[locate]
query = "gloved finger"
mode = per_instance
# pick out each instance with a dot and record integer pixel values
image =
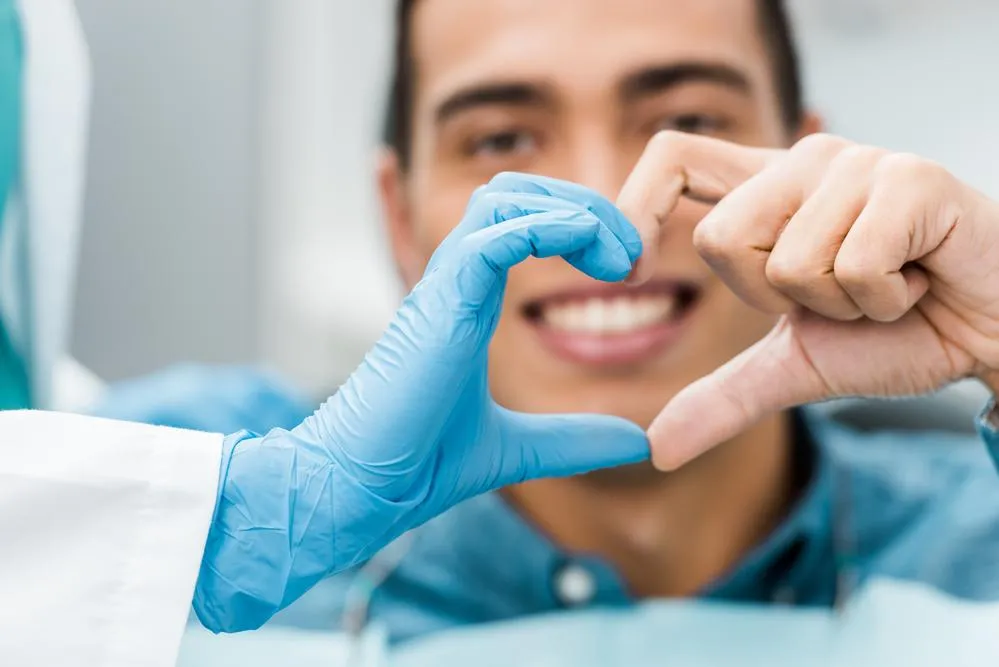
(433, 345)
(485, 256)
(585, 197)
(441, 331)
(482, 211)
(488, 208)
(535, 446)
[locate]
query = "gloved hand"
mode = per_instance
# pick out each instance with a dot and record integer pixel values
(414, 431)
(217, 399)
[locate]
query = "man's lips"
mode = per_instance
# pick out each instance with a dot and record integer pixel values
(613, 324)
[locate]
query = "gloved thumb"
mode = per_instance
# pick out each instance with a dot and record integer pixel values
(773, 375)
(536, 446)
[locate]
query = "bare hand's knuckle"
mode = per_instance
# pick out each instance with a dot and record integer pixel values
(852, 270)
(670, 147)
(784, 271)
(713, 242)
(668, 141)
(821, 144)
(856, 157)
(906, 169)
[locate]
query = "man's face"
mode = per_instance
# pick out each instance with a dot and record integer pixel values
(574, 89)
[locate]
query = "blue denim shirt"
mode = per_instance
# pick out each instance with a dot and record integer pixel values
(913, 506)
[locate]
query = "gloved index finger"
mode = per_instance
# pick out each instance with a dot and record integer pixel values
(489, 207)
(469, 224)
(587, 198)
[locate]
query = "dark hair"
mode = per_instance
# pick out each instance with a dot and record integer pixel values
(777, 35)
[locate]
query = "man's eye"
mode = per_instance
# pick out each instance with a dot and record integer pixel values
(693, 124)
(502, 144)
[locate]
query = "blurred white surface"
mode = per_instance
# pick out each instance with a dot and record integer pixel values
(231, 213)
(919, 81)
(170, 221)
(327, 287)
(279, 646)
(887, 624)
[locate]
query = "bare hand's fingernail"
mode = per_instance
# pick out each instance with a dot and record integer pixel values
(669, 461)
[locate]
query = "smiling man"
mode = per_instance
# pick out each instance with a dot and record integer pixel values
(790, 506)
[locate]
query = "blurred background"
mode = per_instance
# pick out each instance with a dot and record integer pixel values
(230, 214)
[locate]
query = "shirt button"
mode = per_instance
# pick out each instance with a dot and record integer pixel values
(574, 585)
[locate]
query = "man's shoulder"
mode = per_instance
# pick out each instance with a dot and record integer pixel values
(920, 505)
(917, 461)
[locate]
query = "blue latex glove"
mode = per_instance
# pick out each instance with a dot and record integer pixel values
(218, 399)
(414, 431)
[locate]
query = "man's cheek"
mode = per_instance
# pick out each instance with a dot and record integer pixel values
(428, 237)
(754, 326)
(434, 227)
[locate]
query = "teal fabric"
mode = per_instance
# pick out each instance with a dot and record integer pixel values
(14, 387)
(913, 506)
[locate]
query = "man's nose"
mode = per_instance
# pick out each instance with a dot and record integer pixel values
(598, 164)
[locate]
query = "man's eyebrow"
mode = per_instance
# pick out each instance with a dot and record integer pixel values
(488, 94)
(653, 80)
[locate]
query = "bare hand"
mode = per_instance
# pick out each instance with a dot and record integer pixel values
(884, 267)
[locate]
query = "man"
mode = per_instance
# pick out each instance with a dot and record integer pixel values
(791, 508)
(113, 520)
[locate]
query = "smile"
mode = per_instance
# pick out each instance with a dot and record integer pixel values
(613, 324)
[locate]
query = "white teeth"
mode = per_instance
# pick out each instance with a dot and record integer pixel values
(669, 309)
(557, 318)
(620, 314)
(610, 316)
(594, 315)
(661, 309)
(651, 309)
(573, 318)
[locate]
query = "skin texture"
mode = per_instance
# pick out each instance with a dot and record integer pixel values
(583, 122)
(884, 264)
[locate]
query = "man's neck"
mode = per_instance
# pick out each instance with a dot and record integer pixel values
(671, 535)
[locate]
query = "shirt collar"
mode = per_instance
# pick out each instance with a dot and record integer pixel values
(784, 563)
(487, 542)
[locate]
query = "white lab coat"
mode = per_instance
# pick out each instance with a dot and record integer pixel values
(102, 524)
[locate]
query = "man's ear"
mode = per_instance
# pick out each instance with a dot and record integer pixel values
(811, 123)
(398, 217)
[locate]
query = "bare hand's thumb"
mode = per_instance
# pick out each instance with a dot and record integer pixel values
(773, 375)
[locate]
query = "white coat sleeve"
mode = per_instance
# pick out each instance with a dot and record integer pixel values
(102, 529)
